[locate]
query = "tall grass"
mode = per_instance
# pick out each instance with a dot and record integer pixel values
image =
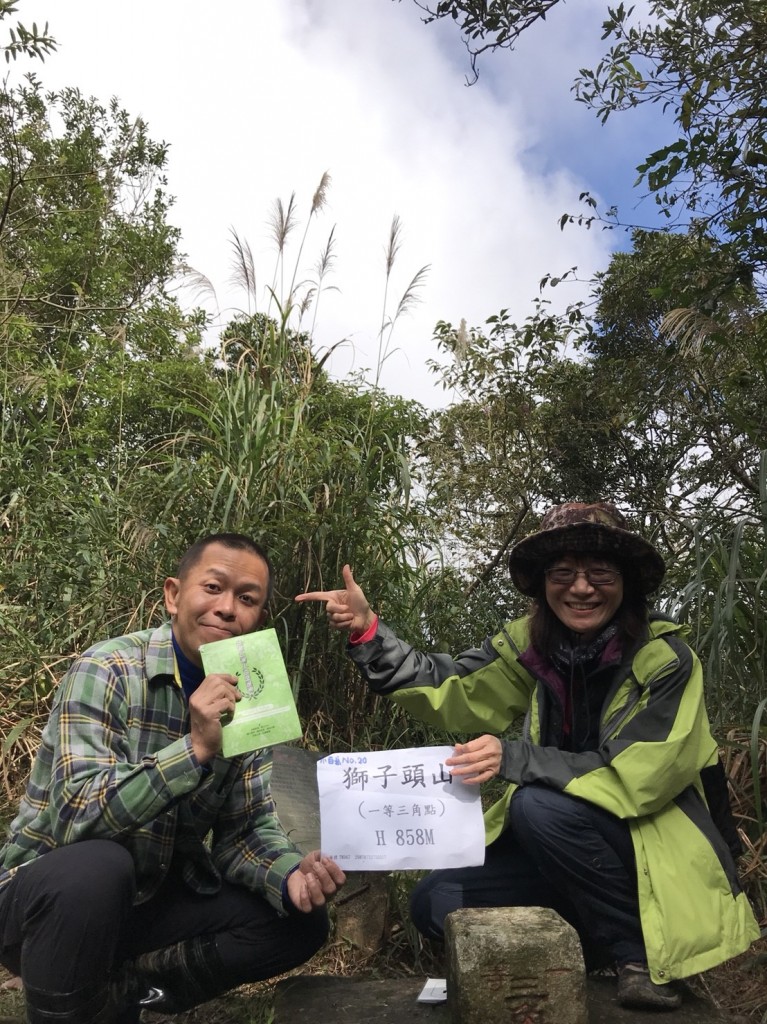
(725, 604)
(143, 457)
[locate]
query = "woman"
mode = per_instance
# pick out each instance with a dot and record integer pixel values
(606, 818)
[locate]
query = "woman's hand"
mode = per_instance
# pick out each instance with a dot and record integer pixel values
(347, 609)
(477, 761)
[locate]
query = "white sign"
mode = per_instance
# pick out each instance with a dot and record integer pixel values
(398, 810)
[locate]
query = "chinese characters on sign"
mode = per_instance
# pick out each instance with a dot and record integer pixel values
(398, 809)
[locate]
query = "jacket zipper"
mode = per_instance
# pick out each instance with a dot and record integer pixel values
(622, 714)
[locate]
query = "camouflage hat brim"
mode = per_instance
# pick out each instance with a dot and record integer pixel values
(530, 556)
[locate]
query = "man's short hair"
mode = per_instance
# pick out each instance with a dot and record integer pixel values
(236, 541)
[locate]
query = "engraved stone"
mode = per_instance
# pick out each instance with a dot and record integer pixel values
(514, 965)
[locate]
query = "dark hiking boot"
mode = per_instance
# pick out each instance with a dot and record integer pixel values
(637, 990)
(175, 978)
(91, 1005)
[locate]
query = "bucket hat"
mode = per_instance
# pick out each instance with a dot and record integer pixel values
(584, 529)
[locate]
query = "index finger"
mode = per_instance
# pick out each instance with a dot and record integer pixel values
(227, 677)
(316, 595)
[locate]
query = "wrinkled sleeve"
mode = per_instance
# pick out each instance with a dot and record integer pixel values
(648, 760)
(475, 692)
(250, 846)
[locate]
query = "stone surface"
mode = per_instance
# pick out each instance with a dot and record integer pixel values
(294, 788)
(521, 965)
(321, 1000)
(354, 1001)
(325, 1000)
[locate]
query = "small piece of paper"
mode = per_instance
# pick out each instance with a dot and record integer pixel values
(398, 810)
(434, 991)
(267, 712)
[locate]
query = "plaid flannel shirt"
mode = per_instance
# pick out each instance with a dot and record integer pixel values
(116, 762)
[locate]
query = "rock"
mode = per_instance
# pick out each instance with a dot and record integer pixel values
(362, 910)
(521, 965)
(294, 789)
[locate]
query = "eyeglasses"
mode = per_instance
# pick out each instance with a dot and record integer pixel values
(562, 576)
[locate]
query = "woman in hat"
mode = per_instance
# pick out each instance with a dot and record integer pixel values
(613, 778)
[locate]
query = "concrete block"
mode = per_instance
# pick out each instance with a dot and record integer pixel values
(514, 965)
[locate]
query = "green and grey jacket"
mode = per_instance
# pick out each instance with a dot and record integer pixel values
(654, 742)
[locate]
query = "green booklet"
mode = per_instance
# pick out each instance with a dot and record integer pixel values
(267, 712)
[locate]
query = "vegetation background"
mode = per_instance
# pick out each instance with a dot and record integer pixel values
(125, 434)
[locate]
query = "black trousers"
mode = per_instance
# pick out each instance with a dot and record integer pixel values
(556, 852)
(67, 920)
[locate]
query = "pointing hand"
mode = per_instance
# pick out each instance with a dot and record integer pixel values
(346, 609)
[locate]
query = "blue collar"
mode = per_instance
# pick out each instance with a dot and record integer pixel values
(191, 675)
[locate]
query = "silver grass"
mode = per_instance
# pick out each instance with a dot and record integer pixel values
(409, 296)
(282, 221)
(394, 243)
(320, 196)
(243, 265)
(200, 285)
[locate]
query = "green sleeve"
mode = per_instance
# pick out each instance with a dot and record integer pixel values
(478, 691)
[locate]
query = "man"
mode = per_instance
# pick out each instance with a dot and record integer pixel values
(143, 868)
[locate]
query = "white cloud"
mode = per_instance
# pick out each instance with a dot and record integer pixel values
(258, 99)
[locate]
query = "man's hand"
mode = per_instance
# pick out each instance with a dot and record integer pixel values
(346, 609)
(213, 700)
(476, 761)
(315, 879)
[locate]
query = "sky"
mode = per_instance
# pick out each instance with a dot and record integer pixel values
(259, 99)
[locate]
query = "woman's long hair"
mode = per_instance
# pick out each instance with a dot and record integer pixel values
(548, 633)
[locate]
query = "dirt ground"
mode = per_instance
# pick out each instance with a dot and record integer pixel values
(739, 987)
